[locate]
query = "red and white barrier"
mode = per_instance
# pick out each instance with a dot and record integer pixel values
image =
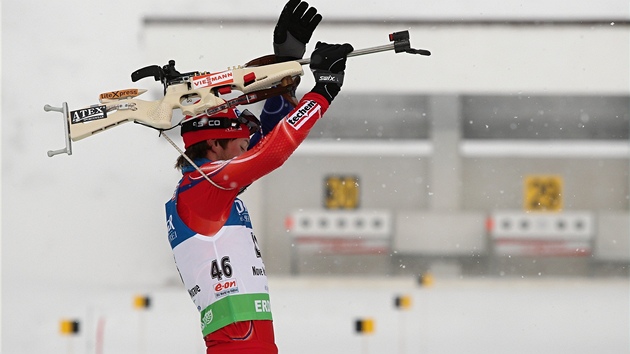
(341, 232)
(520, 233)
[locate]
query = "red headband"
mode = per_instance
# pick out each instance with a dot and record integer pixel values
(222, 125)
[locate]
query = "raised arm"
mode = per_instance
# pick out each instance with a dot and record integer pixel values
(328, 65)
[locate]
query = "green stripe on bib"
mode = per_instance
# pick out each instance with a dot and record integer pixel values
(235, 308)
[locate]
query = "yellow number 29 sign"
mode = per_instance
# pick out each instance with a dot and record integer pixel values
(341, 192)
(543, 193)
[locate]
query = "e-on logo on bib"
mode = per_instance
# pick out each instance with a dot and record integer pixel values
(303, 114)
(225, 288)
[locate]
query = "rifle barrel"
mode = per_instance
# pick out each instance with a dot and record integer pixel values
(358, 52)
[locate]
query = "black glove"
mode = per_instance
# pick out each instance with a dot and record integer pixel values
(294, 29)
(328, 63)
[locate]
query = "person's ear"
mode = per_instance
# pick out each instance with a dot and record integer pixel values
(212, 143)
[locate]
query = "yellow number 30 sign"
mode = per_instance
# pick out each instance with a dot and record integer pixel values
(543, 193)
(342, 192)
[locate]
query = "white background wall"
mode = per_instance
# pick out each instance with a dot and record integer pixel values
(465, 59)
(107, 197)
(96, 217)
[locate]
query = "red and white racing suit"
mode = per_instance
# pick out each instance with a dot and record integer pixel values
(213, 243)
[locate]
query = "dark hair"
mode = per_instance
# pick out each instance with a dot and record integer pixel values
(197, 151)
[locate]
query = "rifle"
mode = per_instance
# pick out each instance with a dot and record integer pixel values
(195, 93)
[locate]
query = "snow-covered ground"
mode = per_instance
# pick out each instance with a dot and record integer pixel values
(317, 315)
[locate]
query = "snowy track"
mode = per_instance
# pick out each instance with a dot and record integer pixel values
(317, 315)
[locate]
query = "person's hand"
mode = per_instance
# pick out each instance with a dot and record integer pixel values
(328, 63)
(294, 29)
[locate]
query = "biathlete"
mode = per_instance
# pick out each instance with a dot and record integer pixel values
(209, 229)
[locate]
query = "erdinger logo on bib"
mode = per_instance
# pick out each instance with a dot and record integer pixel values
(207, 319)
(303, 114)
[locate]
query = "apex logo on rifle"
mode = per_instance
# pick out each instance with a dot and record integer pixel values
(88, 114)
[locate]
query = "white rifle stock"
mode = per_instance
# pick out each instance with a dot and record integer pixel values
(158, 114)
(118, 107)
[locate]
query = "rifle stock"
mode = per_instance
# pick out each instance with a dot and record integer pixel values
(158, 114)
